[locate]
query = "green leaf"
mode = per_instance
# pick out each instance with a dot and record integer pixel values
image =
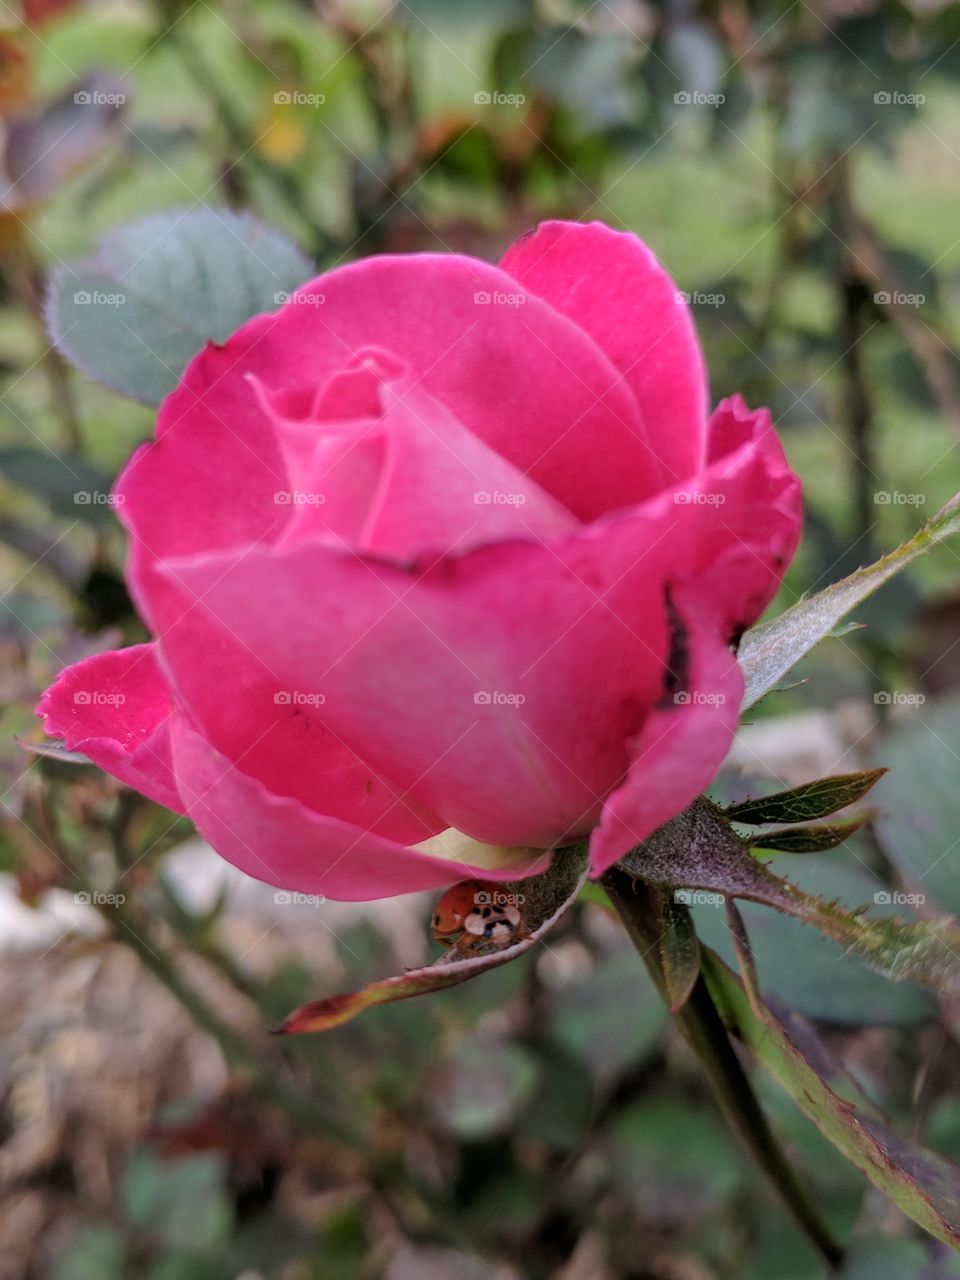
(769, 651)
(893, 1258)
(812, 800)
(184, 1199)
(586, 1016)
(42, 150)
(813, 974)
(69, 484)
(671, 1158)
(679, 952)
(158, 289)
(700, 850)
(808, 839)
(546, 898)
(922, 1183)
(919, 823)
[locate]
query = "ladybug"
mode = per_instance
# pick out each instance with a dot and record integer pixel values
(475, 915)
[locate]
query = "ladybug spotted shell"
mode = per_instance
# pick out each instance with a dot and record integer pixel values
(477, 910)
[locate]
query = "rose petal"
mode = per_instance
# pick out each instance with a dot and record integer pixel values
(498, 689)
(683, 744)
(413, 480)
(114, 708)
(284, 843)
(610, 284)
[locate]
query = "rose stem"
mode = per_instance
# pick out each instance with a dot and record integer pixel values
(638, 906)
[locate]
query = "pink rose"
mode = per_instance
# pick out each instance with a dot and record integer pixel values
(440, 544)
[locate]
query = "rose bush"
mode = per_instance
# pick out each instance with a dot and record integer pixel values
(440, 544)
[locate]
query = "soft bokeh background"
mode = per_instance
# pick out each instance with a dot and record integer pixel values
(797, 167)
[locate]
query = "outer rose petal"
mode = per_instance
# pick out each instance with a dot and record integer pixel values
(720, 591)
(276, 731)
(498, 689)
(129, 738)
(746, 498)
(610, 284)
(284, 843)
(682, 745)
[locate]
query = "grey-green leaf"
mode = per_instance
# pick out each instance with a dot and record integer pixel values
(679, 952)
(924, 1185)
(919, 823)
(769, 651)
(808, 839)
(802, 804)
(158, 289)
